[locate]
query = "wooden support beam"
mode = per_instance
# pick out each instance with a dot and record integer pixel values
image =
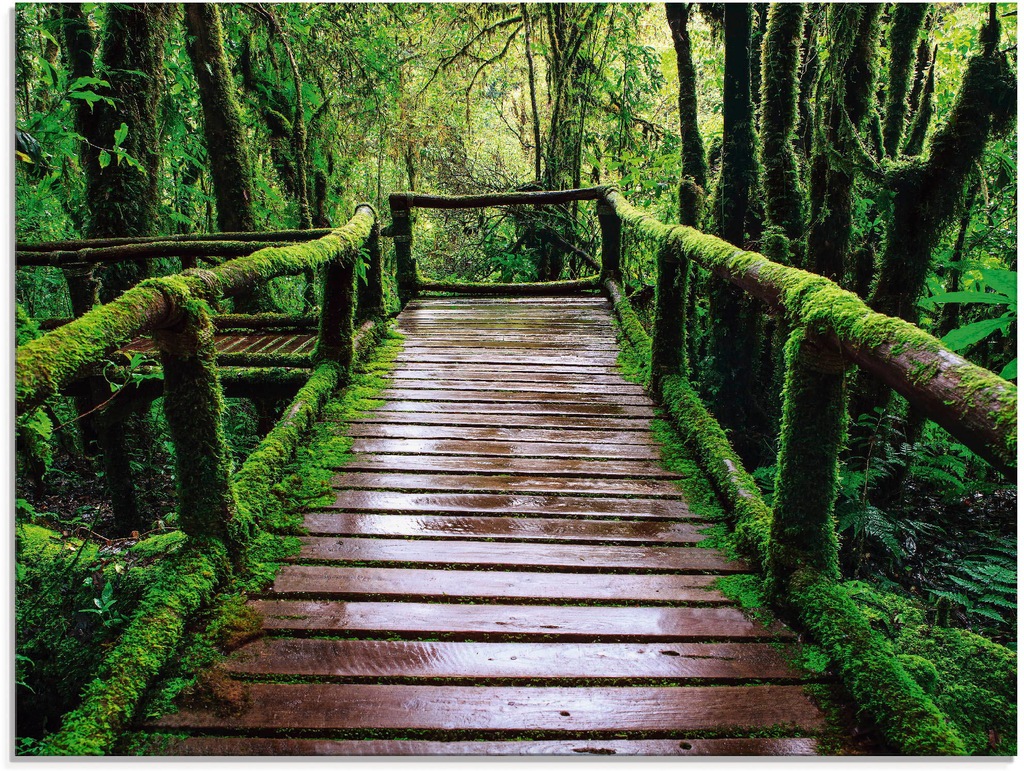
(145, 251)
(370, 288)
(275, 236)
(553, 288)
(421, 201)
(405, 263)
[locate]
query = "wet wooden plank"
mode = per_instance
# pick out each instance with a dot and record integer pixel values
(517, 556)
(510, 395)
(500, 528)
(515, 505)
(498, 385)
(505, 450)
(511, 302)
(344, 582)
(561, 623)
(531, 407)
(506, 483)
(507, 709)
(508, 377)
(549, 467)
(389, 429)
(503, 358)
(511, 343)
(511, 370)
(729, 662)
(234, 746)
(578, 423)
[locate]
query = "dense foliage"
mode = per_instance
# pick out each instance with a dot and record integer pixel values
(873, 144)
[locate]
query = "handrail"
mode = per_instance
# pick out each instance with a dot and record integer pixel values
(972, 403)
(401, 205)
(99, 243)
(48, 363)
(145, 251)
(425, 201)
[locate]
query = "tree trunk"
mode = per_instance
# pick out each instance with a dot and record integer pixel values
(222, 120)
(695, 165)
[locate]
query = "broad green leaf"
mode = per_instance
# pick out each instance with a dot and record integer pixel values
(1009, 372)
(87, 81)
(104, 159)
(970, 297)
(1004, 281)
(969, 334)
(120, 134)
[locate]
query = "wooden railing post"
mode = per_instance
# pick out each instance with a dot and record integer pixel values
(370, 293)
(334, 340)
(193, 404)
(803, 533)
(611, 241)
(668, 342)
(82, 287)
(405, 264)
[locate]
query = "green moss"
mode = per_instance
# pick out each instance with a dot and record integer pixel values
(180, 585)
(971, 680)
(820, 305)
(45, 365)
(803, 532)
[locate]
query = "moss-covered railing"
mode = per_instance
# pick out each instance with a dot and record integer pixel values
(410, 283)
(218, 511)
(794, 543)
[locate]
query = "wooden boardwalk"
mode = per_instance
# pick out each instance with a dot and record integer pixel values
(506, 569)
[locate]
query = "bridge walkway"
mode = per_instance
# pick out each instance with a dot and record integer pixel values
(507, 569)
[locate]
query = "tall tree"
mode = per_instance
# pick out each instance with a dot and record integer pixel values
(845, 95)
(226, 145)
(694, 181)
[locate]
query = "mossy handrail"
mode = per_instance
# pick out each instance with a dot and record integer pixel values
(795, 542)
(410, 283)
(46, 364)
(218, 511)
(975, 405)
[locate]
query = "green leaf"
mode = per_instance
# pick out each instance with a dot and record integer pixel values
(87, 81)
(969, 334)
(969, 297)
(1009, 372)
(104, 159)
(120, 134)
(1004, 281)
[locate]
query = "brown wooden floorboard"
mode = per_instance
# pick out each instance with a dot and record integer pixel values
(254, 746)
(505, 559)
(548, 467)
(449, 585)
(493, 621)
(509, 556)
(501, 528)
(722, 662)
(497, 452)
(506, 709)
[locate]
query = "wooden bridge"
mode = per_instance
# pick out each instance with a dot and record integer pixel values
(507, 568)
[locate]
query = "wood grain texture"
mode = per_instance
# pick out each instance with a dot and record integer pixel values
(504, 559)
(234, 746)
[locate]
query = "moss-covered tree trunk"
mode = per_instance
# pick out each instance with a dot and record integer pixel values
(736, 323)
(694, 180)
(904, 30)
(929, 191)
(569, 28)
(783, 197)
(226, 146)
(845, 94)
(928, 195)
(122, 198)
